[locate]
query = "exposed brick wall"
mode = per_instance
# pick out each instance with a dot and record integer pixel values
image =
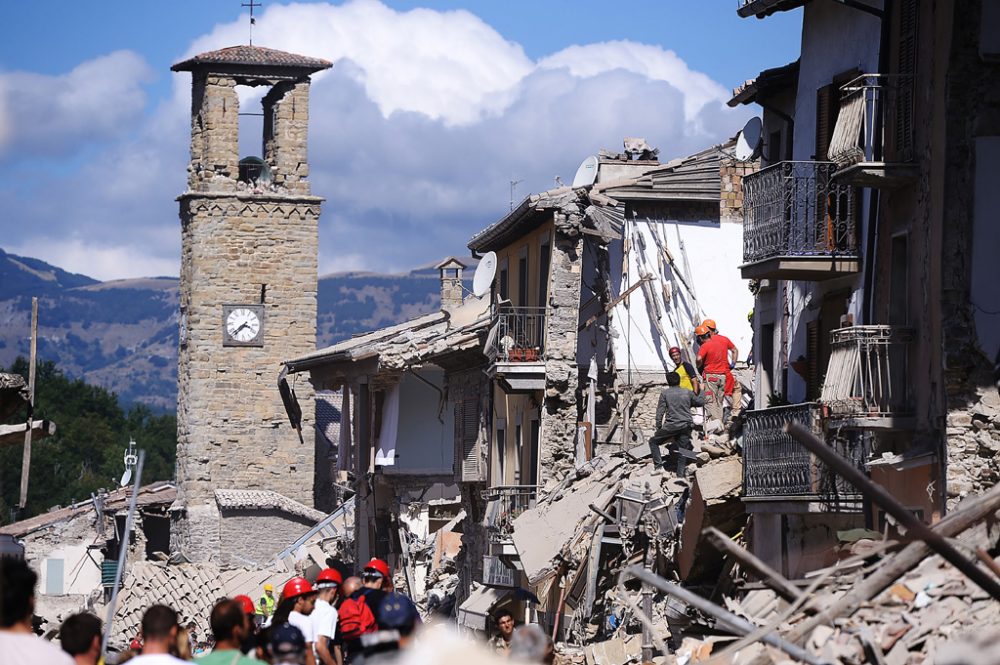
(731, 174)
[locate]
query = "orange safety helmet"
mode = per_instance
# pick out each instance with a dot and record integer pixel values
(709, 323)
(701, 331)
(246, 604)
(328, 577)
(297, 586)
(379, 566)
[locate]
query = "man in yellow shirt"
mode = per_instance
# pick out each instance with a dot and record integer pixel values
(689, 378)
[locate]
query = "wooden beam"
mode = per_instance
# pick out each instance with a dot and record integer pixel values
(614, 303)
(11, 435)
(26, 456)
(764, 572)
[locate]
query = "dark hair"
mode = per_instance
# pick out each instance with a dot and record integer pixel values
(673, 379)
(157, 622)
(283, 609)
(17, 588)
(78, 632)
(501, 613)
(226, 617)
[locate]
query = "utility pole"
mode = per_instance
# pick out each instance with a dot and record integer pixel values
(26, 457)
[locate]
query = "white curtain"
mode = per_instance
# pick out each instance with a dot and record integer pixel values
(385, 454)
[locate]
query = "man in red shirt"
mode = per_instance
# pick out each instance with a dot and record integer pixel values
(716, 357)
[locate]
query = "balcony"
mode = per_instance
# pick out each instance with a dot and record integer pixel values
(517, 348)
(872, 142)
(504, 503)
(778, 468)
(798, 223)
(867, 381)
(497, 573)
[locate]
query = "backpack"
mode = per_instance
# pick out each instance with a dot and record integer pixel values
(355, 618)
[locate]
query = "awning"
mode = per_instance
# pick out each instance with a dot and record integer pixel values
(474, 613)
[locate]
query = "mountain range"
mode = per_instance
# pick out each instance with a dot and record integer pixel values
(122, 334)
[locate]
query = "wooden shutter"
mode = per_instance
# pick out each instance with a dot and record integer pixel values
(826, 117)
(906, 68)
(467, 439)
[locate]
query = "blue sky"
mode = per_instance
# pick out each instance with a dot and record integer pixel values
(415, 132)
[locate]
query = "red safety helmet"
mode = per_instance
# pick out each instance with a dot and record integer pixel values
(297, 586)
(709, 323)
(674, 348)
(379, 566)
(327, 578)
(246, 604)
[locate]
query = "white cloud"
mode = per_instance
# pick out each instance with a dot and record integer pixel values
(55, 115)
(415, 134)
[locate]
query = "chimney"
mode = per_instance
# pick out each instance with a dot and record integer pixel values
(731, 174)
(451, 283)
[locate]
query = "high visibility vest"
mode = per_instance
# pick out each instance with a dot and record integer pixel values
(266, 605)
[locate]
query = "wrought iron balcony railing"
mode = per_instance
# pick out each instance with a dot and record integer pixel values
(874, 108)
(867, 380)
(520, 334)
(504, 503)
(776, 466)
(796, 209)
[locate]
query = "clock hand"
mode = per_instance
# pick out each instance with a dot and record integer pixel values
(242, 326)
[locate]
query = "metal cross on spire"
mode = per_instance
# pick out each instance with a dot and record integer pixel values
(253, 21)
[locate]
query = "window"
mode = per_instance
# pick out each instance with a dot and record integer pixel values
(518, 442)
(533, 461)
(774, 147)
(500, 453)
(504, 281)
(54, 577)
(522, 278)
(898, 278)
(544, 258)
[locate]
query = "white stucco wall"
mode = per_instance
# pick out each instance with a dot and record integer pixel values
(80, 574)
(424, 444)
(713, 251)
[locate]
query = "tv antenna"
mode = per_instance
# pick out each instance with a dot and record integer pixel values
(485, 272)
(748, 141)
(253, 21)
(130, 461)
(513, 184)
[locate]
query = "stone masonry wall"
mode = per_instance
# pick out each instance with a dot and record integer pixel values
(232, 428)
(286, 114)
(215, 133)
(560, 410)
(731, 173)
(254, 537)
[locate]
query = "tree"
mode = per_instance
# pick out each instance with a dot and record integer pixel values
(92, 433)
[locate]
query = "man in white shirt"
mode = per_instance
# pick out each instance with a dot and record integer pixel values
(159, 637)
(18, 643)
(324, 616)
(302, 596)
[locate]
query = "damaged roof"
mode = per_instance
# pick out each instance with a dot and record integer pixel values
(245, 56)
(421, 339)
(531, 213)
(158, 493)
(766, 83)
(265, 500)
(764, 8)
(692, 178)
(13, 393)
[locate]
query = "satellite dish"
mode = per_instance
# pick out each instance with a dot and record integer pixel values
(485, 272)
(587, 173)
(748, 140)
(127, 476)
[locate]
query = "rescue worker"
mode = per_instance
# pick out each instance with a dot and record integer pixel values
(324, 615)
(717, 356)
(297, 601)
(250, 639)
(673, 420)
(689, 378)
(267, 602)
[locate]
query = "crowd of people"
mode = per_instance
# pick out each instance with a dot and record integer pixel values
(360, 620)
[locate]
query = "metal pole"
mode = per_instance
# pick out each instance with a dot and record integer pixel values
(122, 552)
(888, 503)
(726, 619)
(26, 455)
(647, 633)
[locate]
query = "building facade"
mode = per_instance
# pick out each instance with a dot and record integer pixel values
(861, 246)
(247, 294)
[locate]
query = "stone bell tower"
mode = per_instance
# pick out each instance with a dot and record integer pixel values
(247, 302)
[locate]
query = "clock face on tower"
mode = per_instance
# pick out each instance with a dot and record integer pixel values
(243, 325)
